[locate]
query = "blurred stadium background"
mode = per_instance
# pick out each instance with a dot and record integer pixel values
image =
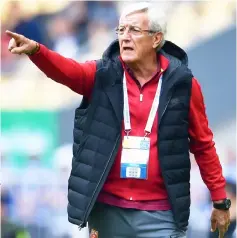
(37, 113)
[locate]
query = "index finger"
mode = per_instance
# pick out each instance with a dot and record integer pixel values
(13, 35)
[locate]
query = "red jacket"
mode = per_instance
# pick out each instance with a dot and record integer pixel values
(80, 78)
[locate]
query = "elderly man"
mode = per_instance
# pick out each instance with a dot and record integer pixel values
(142, 112)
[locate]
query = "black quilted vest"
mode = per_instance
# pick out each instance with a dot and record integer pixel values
(97, 134)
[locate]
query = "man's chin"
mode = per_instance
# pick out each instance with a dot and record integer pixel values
(128, 59)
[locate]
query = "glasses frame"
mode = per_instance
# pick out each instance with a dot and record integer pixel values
(140, 31)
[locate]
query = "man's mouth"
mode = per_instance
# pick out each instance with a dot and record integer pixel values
(127, 48)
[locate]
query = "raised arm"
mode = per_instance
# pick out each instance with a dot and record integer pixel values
(77, 76)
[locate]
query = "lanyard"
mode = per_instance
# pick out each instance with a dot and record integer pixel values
(154, 108)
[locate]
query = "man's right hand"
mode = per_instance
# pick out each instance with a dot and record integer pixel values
(19, 44)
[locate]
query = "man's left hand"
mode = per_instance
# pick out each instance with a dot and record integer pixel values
(220, 219)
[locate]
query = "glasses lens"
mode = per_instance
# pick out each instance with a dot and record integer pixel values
(120, 30)
(135, 30)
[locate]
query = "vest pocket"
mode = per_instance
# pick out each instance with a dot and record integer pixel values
(80, 146)
(75, 161)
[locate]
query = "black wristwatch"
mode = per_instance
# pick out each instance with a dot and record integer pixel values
(225, 205)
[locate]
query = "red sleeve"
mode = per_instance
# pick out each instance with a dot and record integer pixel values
(203, 146)
(77, 76)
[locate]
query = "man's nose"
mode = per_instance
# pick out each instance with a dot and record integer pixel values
(126, 35)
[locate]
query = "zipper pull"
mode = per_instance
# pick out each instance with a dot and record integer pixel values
(141, 97)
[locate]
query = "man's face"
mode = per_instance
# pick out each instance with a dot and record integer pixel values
(135, 45)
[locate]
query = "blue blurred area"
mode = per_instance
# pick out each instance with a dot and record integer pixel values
(213, 62)
(37, 114)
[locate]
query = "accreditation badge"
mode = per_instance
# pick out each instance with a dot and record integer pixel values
(135, 157)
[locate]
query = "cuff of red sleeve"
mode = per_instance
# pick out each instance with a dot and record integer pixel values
(41, 49)
(218, 194)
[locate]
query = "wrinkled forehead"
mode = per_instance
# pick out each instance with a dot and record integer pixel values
(135, 19)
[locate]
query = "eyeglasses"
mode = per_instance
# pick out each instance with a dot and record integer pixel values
(133, 30)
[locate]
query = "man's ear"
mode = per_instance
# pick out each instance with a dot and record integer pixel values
(157, 38)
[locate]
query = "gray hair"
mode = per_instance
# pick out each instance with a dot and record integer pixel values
(156, 17)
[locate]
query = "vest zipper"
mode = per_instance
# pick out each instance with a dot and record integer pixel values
(162, 114)
(141, 97)
(98, 187)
